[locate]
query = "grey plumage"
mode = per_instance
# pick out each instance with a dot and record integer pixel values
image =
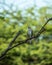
(30, 34)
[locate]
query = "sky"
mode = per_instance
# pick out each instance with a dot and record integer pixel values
(23, 4)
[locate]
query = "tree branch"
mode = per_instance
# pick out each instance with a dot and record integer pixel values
(10, 44)
(23, 41)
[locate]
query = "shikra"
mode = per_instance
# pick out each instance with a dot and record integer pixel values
(29, 34)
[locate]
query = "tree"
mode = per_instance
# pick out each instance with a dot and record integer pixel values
(14, 25)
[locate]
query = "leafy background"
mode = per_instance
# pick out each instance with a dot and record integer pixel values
(40, 51)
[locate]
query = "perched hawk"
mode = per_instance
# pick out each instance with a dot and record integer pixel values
(30, 34)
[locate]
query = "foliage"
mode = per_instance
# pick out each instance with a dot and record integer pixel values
(40, 51)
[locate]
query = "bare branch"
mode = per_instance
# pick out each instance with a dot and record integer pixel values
(4, 53)
(17, 35)
(23, 41)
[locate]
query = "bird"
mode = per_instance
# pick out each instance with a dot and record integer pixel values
(30, 34)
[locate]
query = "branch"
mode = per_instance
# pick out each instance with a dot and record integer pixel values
(23, 41)
(4, 53)
(42, 29)
(17, 35)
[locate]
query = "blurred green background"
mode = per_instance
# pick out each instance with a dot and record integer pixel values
(13, 19)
